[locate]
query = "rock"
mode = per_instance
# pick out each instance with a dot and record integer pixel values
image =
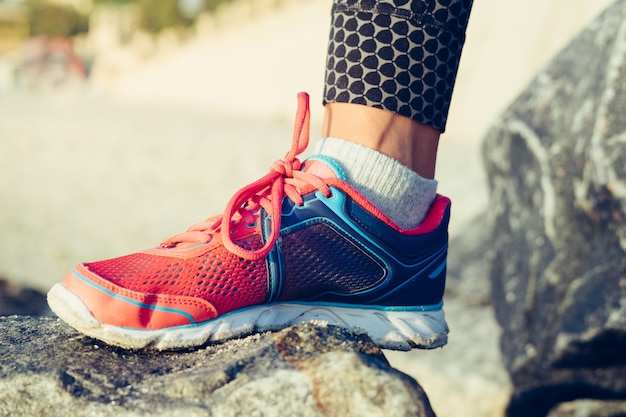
(556, 164)
(467, 276)
(48, 369)
(590, 408)
(16, 299)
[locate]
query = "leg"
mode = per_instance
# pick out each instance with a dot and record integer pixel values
(412, 143)
(390, 73)
(401, 56)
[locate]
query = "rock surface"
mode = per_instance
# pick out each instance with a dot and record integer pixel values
(556, 163)
(48, 369)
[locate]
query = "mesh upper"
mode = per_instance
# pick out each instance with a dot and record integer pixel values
(225, 280)
(319, 259)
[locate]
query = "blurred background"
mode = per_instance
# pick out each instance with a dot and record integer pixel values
(123, 122)
(49, 43)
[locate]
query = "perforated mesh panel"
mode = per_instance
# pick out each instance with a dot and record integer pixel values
(318, 259)
(225, 280)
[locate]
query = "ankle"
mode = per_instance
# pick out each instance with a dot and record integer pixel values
(403, 195)
(411, 143)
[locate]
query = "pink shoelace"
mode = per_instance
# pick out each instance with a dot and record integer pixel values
(284, 179)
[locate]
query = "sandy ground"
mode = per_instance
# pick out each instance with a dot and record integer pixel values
(132, 159)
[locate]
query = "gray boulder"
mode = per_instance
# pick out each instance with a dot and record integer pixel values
(467, 276)
(48, 369)
(556, 165)
(590, 408)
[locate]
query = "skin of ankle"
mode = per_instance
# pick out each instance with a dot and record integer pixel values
(411, 143)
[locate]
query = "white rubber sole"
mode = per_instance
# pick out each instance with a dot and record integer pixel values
(389, 329)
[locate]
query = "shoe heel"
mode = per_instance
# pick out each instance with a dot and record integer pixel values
(425, 291)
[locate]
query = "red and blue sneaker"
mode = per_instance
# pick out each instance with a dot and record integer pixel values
(298, 245)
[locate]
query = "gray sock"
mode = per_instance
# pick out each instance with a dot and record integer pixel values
(399, 192)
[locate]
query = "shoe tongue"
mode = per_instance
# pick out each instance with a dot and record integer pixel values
(324, 167)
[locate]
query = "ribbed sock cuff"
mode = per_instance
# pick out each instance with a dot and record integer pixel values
(399, 192)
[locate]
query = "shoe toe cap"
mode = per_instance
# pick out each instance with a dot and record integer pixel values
(114, 305)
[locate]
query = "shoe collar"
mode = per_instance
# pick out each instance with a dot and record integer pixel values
(324, 167)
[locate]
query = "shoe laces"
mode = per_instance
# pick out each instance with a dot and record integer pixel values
(285, 179)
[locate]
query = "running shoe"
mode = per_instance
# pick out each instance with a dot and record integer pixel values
(298, 245)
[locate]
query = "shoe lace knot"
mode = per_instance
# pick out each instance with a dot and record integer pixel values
(285, 179)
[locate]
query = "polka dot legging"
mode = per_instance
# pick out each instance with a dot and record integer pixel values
(398, 55)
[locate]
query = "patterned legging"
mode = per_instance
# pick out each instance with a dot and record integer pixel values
(398, 55)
